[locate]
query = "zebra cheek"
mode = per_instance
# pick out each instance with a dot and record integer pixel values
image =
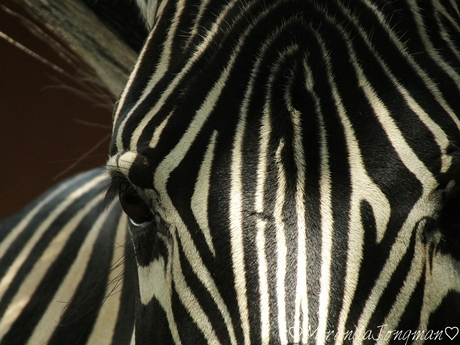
(153, 282)
(148, 247)
(151, 251)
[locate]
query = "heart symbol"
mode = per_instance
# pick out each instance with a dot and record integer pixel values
(453, 332)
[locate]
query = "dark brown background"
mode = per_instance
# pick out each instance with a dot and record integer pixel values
(41, 134)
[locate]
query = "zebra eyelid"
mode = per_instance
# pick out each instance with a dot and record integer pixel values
(138, 225)
(118, 182)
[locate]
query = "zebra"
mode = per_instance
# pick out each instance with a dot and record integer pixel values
(64, 280)
(288, 172)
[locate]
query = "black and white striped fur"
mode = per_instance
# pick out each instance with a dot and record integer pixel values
(300, 162)
(290, 170)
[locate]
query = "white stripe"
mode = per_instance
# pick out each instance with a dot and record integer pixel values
(157, 134)
(281, 249)
(260, 237)
(133, 337)
(200, 197)
(263, 283)
(301, 301)
(237, 228)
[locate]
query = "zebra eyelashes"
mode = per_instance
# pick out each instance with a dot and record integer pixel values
(134, 206)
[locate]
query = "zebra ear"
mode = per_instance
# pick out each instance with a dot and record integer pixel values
(148, 10)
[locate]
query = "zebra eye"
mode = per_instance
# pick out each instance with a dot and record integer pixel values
(134, 206)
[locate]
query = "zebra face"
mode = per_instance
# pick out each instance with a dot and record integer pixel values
(290, 171)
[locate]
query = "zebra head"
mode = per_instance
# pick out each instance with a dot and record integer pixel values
(290, 170)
